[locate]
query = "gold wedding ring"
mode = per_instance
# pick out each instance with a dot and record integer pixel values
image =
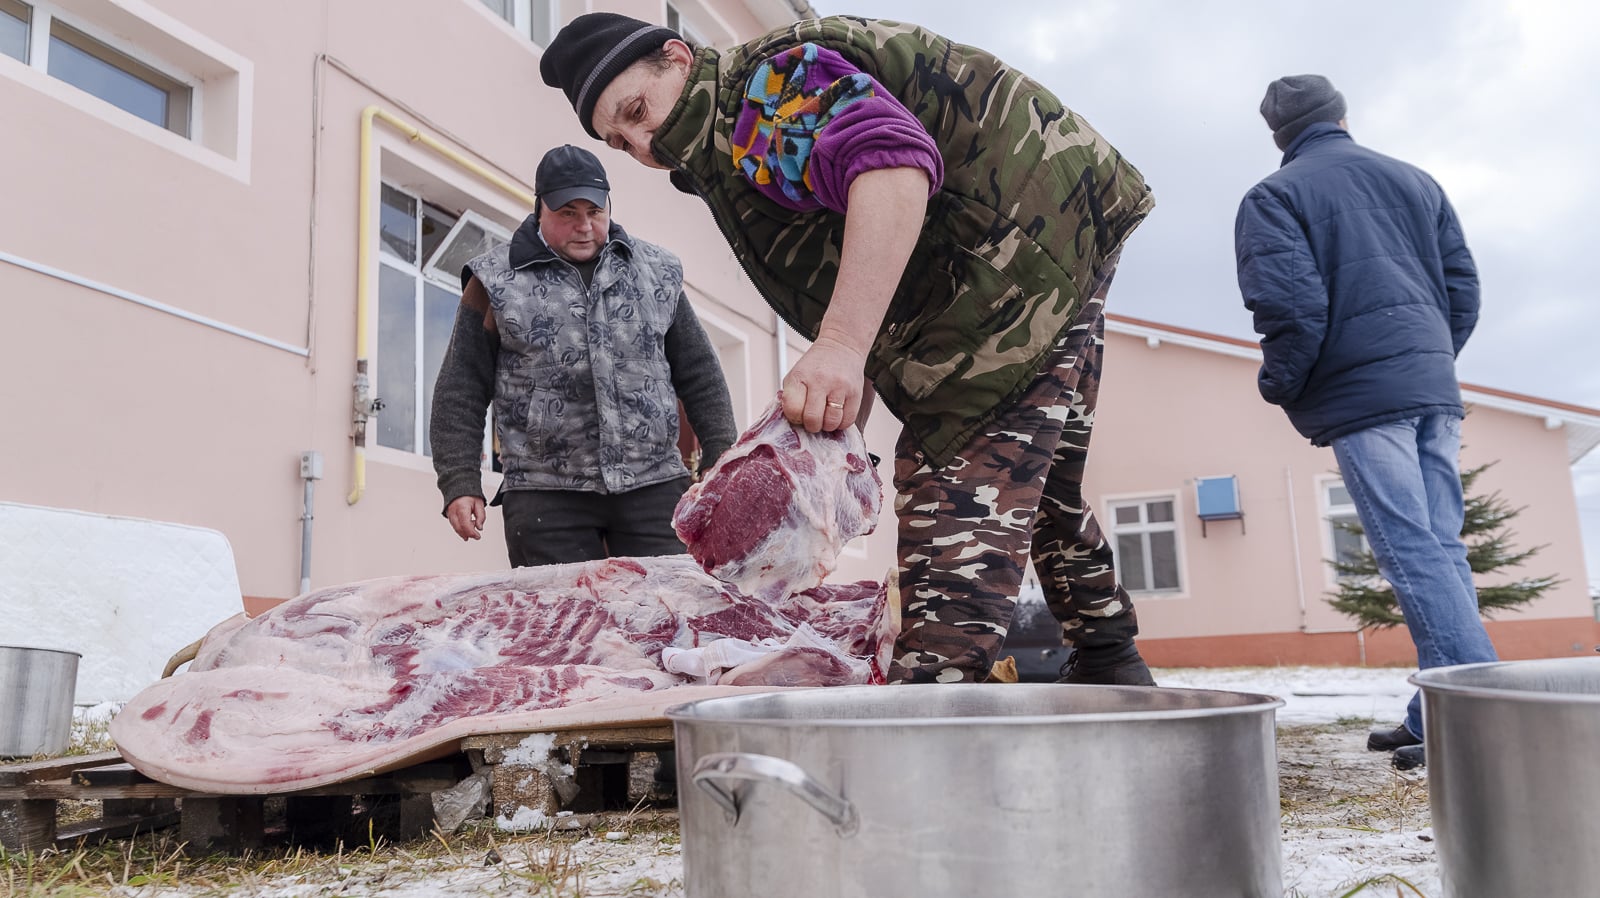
(837, 405)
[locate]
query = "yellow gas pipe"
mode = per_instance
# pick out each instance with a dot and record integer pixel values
(364, 263)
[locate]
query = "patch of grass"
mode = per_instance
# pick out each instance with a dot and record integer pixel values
(1401, 885)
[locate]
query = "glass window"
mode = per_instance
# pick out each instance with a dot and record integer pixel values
(1145, 537)
(416, 313)
(117, 78)
(502, 8)
(677, 22)
(471, 237)
(436, 225)
(397, 358)
(1347, 546)
(542, 21)
(14, 19)
(397, 224)
(438, 320)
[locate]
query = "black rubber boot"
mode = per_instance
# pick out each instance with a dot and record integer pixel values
(1389, 740)
(1107, 665)
(1410, 757)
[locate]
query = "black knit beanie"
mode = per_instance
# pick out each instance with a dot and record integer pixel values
(1295, 102)
(593, 49)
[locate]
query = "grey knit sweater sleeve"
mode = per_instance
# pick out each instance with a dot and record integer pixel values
(461, 397)
(697, 378)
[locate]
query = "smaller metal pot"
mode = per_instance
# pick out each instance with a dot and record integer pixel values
(37, 687)
(1512, 776)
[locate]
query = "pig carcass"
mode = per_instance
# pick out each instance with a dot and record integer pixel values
(376, 675)
(772, 514)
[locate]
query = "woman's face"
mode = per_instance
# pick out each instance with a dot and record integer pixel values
(635, 103)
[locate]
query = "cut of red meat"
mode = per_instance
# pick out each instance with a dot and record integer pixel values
(367, 677)
(771, 516)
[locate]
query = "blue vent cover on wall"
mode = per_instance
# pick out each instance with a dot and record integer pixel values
(1217, 499)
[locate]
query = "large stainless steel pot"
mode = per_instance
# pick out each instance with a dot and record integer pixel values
(1512, 776)
(37, 687)
(963, 790)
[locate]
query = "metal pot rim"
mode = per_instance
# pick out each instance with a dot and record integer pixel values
(1253, 703)
(1438, 679)
(35, 648)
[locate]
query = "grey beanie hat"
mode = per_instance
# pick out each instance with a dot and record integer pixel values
(1294, 102)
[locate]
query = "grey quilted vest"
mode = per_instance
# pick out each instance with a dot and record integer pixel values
(583, 396)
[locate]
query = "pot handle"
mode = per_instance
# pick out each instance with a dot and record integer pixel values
(734, 765)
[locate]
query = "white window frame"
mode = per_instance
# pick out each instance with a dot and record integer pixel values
(430, 265)
(220, 82)
(1326, 510)
(523, 14)
(422, 175)
(1112, 530)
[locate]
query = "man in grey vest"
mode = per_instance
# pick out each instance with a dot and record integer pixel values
(582, 339)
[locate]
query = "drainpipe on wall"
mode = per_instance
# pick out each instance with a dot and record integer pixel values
(367, 405)
(310, 472)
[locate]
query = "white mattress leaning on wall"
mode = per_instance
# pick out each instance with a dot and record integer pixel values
(124, 593)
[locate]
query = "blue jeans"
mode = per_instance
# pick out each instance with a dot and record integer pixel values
(1404, 480)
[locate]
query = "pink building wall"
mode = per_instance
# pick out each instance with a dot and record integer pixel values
(1172, 412)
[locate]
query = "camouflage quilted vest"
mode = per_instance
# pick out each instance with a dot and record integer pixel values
(583, 396)
(1033, 202)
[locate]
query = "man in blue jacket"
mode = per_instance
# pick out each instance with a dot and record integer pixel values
(1363, 292)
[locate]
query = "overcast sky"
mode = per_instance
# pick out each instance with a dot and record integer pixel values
(1497, 99)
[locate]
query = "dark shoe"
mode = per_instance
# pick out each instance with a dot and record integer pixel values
(1106, 665)
(1389, 740)
(1409, 757)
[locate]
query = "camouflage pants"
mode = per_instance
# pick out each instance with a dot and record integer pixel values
(966, 529)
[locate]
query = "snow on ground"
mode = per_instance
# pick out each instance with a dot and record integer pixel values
(1348, 818)
(1310, 694)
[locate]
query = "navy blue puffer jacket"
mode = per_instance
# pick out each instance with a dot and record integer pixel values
(1361, 285)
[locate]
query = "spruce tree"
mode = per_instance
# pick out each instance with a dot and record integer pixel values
(1363, 594)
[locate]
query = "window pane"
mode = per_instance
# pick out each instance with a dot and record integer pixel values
(14, 18)
(397, 224)
(106, 81)
(436, 225)
(1164, 560)
(438, 319)
(501, 8)
(1346, 545)
(541, 19)
(1338, 495)
(397, 359)
(471, 241)
(1160, 512)
(1130, 561)
(1126, 514)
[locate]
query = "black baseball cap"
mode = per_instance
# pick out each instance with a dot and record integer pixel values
(568, 173)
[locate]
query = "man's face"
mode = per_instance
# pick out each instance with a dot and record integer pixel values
(575, 231)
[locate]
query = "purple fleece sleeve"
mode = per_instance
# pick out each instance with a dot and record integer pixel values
(813, 122)
(877, 132)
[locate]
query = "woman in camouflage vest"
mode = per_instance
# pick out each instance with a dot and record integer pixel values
(981, 328)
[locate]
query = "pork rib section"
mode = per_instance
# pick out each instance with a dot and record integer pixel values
(358, 679)
(772, 514)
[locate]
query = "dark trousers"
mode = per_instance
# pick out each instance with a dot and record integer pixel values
(561, 526)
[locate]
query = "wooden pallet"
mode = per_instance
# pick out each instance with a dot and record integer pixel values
(396, 805)
(612, 768)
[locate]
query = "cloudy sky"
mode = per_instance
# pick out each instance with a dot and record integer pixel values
(1496, 98)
